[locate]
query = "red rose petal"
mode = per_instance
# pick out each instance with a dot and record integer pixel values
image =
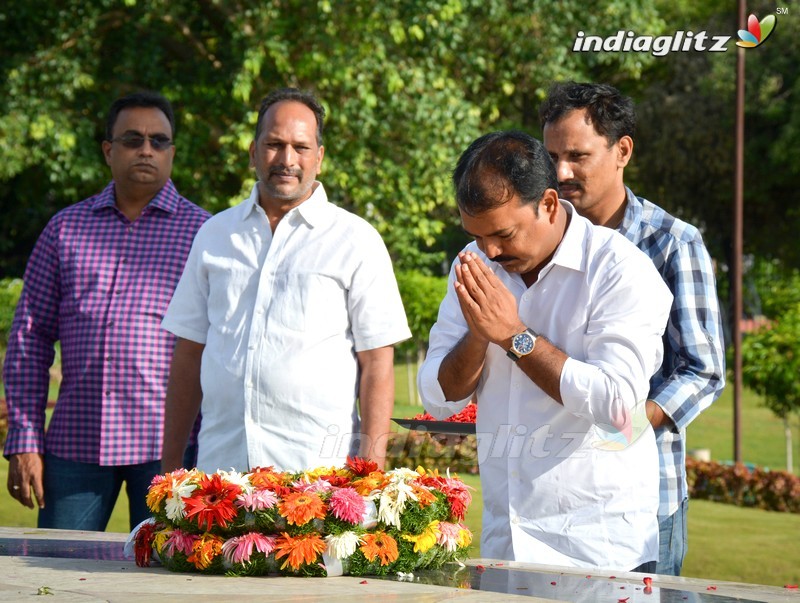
(363, 582)
(625, 600)
(648, 581)
(552, 584)
(612, 577)
(791, 586)
(711, 588)
(480, 568)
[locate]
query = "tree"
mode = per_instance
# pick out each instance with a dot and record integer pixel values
(407, 86)
(771, 365)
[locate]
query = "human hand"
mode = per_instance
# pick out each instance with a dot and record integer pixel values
(26, 473)
(489, 308)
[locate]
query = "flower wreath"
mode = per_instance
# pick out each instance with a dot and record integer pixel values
(353, 520)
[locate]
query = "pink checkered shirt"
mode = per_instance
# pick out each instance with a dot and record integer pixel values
(100, 285)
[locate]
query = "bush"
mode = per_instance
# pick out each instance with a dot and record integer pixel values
(441, 451)
(738, 485)
(421, 295)
(10, 290)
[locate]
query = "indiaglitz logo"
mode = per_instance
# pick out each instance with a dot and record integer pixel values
(680, 41)
(625, 431)
(757, 31)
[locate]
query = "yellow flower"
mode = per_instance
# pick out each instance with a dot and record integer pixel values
(160, 538)
(464, 537)
(314, 474)
(426, 540)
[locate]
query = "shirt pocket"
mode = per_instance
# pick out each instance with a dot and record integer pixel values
(309, 302)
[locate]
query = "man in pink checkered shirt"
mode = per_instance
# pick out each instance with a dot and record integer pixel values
(99, 281)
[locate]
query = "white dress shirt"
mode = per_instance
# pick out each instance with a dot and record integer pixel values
(282, 315)
(577, 484)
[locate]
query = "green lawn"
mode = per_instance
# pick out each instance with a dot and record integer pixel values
(725, 542)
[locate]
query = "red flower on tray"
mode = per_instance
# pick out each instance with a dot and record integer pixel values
(468, 415)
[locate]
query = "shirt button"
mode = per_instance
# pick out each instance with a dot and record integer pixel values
(108, 358)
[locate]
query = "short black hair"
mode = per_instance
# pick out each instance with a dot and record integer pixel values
(292, 94)
(497, 166)
(611, 113)
(139, 99)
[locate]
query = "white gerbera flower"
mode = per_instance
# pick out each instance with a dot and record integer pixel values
(174, 505)
(342, 545)
(239, 479)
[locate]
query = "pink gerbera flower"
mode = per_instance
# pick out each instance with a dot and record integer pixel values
(257, 500)
(348, 505)
(319, 485)
(448, 535)
(239, 549)
(178, 540)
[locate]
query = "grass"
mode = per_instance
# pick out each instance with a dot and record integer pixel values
(725, 542)
(742, 545)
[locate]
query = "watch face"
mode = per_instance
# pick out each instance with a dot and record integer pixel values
(523, 343)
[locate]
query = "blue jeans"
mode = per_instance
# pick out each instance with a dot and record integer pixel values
(672, 541)
(81, 496)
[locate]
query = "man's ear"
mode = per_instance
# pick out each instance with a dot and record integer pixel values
(624, 151)
(252, 154)
(106, 146)
(549, 204)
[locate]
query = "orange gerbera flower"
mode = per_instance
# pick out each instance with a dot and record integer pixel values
(298, 508)
(160, 488)
(379, 545)
(266, 478)
(298, 549)
(204, 550)
(373, 481)
(424, 496)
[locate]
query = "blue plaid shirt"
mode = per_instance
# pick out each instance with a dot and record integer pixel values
(693, 373)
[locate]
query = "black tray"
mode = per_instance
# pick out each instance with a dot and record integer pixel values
(437, 426)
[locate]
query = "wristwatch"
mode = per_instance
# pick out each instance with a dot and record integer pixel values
(522, 344)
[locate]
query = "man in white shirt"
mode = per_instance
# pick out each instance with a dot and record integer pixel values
(555, 324)
(286, 313)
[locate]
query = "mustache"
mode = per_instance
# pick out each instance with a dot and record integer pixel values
(503, 258)
(570, 183)
(283, 171)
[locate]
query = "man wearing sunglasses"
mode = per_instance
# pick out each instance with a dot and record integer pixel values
(99, 281)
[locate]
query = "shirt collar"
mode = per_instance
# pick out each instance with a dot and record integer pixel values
(166, 199)
(569, 252)
(633, 215)
(315, 210)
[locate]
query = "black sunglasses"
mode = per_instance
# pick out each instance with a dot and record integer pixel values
(159, 142)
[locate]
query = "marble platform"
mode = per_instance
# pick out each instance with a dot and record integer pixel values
(65, 565)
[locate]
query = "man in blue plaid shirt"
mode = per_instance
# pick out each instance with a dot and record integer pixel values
(588, 130)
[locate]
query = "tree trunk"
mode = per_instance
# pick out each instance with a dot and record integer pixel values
(787, 430)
